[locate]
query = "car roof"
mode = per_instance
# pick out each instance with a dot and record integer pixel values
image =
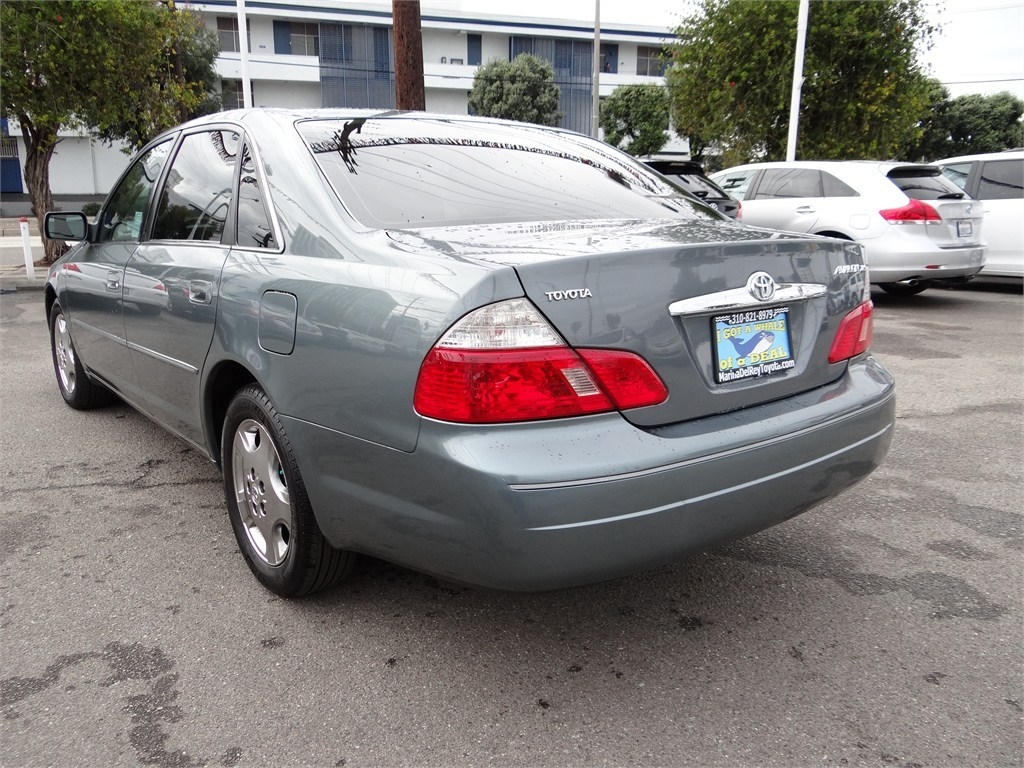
(1008, 154)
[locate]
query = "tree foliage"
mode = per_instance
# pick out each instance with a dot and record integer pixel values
(985, 123)
(124, 69)
(863, 90)
(638, 115)
(966, 125)
(522, 89)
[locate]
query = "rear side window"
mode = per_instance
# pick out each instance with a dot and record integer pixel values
(1002, 180)
(833, 187)
(787, 183)
(924, 183)
(196, 197)
(253, 229)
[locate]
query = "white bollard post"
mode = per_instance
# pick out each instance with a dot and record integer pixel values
(26, 244)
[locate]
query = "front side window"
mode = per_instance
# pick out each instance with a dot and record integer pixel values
(788, 183)
(195, 200)
(124, 212)
(1002, 180)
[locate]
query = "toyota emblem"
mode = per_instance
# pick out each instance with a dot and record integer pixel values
(761, 286)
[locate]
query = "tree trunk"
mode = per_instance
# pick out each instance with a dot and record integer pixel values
(39, 146)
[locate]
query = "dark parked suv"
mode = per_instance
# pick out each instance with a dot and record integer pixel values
(690, 176)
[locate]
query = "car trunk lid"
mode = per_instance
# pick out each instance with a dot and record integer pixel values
(727, 316)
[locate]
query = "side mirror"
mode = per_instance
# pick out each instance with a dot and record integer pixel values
(71, 227)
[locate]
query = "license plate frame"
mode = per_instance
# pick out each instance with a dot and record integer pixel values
(752, 344)
(964, 228)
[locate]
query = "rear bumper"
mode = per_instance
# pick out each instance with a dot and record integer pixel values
(555, 504)
(891, 260)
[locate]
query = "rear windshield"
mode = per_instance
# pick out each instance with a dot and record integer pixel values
(925, 183)
(400, 173)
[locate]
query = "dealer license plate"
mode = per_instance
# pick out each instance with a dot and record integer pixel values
(751, 344)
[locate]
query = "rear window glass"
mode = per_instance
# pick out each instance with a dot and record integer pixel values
(924, 184)
(699, 186)
(1002, 180)
(401, 173)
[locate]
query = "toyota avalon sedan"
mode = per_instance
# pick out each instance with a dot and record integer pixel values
(502, 354)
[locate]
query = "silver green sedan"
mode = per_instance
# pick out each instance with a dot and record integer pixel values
(499, 353)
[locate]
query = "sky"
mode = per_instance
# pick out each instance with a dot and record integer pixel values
(979, 50)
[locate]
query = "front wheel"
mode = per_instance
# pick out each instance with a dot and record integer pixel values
(904, 289)
(267, 502)
(77, 389)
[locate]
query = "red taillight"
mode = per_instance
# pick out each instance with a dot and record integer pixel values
(914, 212)
(854, 334)
(491, 367)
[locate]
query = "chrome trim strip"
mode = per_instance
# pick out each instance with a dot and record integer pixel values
(740, 298)
(163, 358)
(714, 494)
(99, 331)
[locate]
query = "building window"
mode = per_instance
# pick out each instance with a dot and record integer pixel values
(305, 39)
(232, 94)
(610, 58)
(474, 49)
(227, 32)
(649, 61)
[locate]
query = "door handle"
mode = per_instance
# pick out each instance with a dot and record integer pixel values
(200, 291)
(113, 281)
(805, 209)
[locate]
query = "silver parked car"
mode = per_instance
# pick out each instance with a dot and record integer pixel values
(503, 354)
(918, 229)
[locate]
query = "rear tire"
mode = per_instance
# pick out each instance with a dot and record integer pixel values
(902, 289)
(267, 502)
(77, 389)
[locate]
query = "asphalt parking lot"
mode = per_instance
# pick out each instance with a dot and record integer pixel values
(881, 629)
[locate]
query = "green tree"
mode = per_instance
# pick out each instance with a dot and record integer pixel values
(637, 114)
(863, 92)
(522, 89)
(932, 139)
(125, 69)
(985, 123)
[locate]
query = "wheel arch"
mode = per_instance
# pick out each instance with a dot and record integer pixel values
(833, 233)
(226, 378)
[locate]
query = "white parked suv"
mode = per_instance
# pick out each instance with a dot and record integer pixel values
(997, 180)
(917, 228)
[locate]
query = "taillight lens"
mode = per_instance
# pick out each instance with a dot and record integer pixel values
(854, 334)
(505, 363)
(914, 212)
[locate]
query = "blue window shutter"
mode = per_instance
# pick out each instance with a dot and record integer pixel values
(474, 50)
(282, 37)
